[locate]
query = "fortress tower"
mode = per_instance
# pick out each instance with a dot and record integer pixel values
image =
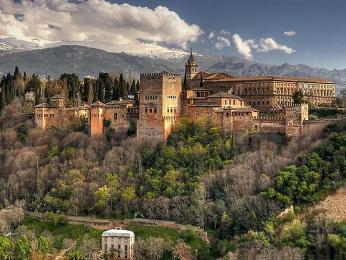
(160, 105)
(96, 119)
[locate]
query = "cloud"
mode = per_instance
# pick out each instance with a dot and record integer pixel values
(95, 21)
(211, 35)
(245, 47)
(290, 33)
(220, 39)
(222, 42)
(269, 44)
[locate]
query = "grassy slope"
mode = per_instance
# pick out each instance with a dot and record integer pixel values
(79, 232)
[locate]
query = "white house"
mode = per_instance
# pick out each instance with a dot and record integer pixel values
(119, 242)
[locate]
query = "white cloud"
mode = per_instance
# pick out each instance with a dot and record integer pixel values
(94, 21)
(211, 35)
(269, 44)
(222, 42)
(245, 47)
(290, 33)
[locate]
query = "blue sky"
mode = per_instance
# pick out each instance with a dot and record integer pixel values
(311, 32)
(320, 26)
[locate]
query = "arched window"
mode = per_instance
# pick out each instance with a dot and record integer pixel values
(115, 116)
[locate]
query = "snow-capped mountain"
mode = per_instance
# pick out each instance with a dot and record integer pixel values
(149, 51)
(171, 55)
(11, 44)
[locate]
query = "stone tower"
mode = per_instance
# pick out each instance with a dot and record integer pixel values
(191, 68)
(160, 105)
(97, 119)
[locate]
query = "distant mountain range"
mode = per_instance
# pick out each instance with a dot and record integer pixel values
(90, 61)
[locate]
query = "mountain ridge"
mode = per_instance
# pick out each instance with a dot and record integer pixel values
(85, 61)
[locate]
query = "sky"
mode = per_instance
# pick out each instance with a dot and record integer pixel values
(311, 32)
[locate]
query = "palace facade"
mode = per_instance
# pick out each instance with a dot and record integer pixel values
(235, 104)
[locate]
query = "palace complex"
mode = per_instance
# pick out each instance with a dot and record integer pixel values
(235, 104)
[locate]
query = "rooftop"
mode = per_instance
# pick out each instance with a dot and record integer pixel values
(224, 95)
(117, 232)
(43, 105)
(267, 78)
(97, 104)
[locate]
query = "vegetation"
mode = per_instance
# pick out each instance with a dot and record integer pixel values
(105, 88)
(326, 112)
(308, 180)
(314, 174)
(232, 186)
(298, 97)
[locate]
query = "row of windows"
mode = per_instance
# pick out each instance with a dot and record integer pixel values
(171, 110)
(115, 116)
(259, 103)
(46, 115)
(202, 93)
(118, 250)
(238, 114)
(150, 97)
(232, 102)
(150, 110)
(172, 97)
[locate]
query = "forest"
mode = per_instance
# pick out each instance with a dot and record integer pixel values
(231, 186)
(77, 91)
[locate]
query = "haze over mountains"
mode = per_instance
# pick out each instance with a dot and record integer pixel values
(53, 61)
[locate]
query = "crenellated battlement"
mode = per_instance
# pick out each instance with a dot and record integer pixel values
(158, 75)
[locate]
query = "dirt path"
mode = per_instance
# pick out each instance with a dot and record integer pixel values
(105, 224)
(334, 205)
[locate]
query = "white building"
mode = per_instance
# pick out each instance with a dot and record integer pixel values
(118, 242)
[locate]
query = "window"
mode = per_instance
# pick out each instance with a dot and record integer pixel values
(115, 116)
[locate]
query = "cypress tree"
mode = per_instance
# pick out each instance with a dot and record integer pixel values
(122, 87)
(72, 84)
(116, 92)
(3, 96)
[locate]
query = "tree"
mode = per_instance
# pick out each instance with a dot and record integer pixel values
(22, 248)
(183, 251)
(87, 92)
(35, 85)
(72, 83)
(116, 90)
(123, 91)
(105, 87)
(6, 246)
(298, 97)
(22, 132)
(42, 245)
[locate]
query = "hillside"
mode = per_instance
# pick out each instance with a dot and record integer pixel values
(334, 206)
(90, 61)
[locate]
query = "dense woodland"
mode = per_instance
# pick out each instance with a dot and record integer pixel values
(232, 186)
(77, 91)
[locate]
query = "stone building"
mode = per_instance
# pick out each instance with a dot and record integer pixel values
(235, 104)
(263, 93)
(119, 243)
(56, 114)
(159, 105)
